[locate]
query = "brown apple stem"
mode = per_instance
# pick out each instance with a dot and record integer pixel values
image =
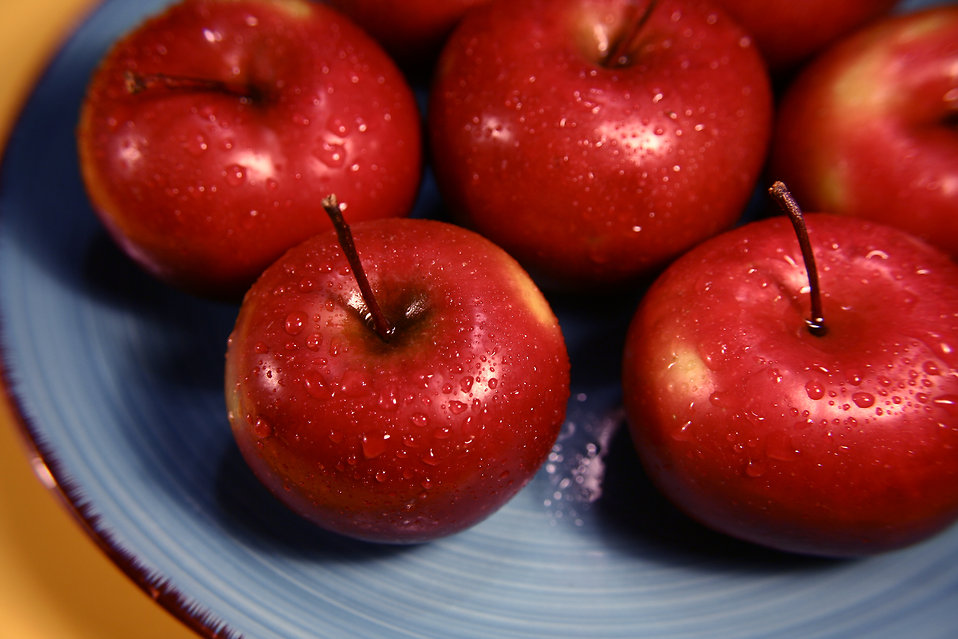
(781, 194)
(141, 82)
(383, 328)
(620, 52)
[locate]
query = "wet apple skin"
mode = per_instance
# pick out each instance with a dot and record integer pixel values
(841, 445)
(204, 188)
(594, 175)
(867, 129)
(411, 439)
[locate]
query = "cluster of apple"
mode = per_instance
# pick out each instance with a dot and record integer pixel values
(396, 379)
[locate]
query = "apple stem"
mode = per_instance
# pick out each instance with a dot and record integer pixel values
(619, 54)
(382, 326)
(140, 82)
(781, 194)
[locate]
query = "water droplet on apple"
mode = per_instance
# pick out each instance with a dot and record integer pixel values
(718, 399)
(814, 390)
(419, 419)
(781, 447)
(337, 126)
(313, 341)
(456, 407)
(315, 383)
(430, 458)
(683, 434)
(492, 383)
(294, 323)
(755, 467)
(947, 402)
(332, 154)
(931, 368)
(863, 400)
(374, 445)
(235, 174)
(261, 428)
(198, 145)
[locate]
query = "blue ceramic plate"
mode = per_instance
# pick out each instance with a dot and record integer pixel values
(118, 381)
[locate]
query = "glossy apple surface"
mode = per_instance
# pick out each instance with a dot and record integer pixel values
(412, 438)
(869, 129)
(842, 445)
(214, 168)
(788, 33)
(413, 31)
(595, 140)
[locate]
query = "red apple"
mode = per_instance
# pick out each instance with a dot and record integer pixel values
(788, 33)
(869, 128)
(840, 444)
(596, 140)
(413, 31)
(211, 131)
(411, 432)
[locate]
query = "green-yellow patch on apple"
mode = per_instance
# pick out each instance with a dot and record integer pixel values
(686, 373)
(856, 91)
(926, 23)
(855, 97)
(832, 181)
(295, 8)
(532, 297)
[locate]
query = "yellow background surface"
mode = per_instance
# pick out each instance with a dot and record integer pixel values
(55, 583)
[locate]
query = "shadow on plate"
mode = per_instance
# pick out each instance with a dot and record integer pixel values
(182, 338)
(633, 516)
(610, 494)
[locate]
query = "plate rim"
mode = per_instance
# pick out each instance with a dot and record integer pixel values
(43, 462)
